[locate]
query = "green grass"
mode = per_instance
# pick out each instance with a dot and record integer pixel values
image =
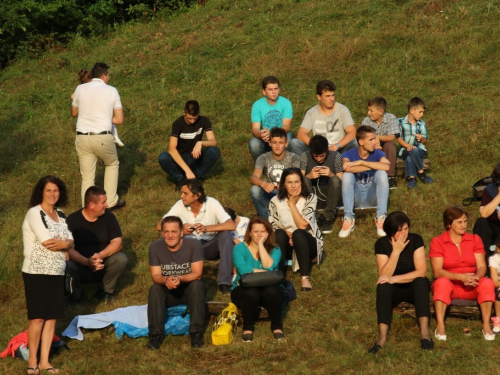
(446, 52)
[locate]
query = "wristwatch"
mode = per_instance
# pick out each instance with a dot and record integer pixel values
(338, 146)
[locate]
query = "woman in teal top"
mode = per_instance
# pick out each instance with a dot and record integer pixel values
(258, 253)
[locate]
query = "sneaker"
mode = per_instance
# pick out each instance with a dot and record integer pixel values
(393, 184)
(424, 178)
(196, 339)
(347, 227)
(379, 222)
(327, 226)
(155, 341)
(411, 183)
(102, 295)
(496, 324)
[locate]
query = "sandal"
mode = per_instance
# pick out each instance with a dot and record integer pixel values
(248, 337)
(34, 370)
(51, 370)
(374, 349)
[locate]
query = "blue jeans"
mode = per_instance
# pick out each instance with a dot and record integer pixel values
(298, 147)
(258, 147)
(261, 200)
(414, 161)
(199, 166)
(373, 193)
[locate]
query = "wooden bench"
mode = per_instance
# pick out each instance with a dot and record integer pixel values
(458, 308)
(401, 167)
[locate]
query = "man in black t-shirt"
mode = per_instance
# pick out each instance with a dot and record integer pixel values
(323, 177)
(96, 256)
(176, 266)
(188, 156)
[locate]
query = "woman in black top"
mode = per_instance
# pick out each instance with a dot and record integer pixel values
(401, 267)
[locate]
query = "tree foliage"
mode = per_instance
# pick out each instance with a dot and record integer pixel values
(31, 26)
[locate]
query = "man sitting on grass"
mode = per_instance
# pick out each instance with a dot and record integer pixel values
(188, 155)
(271, 165)
(176, 266)
(324, 174)
(365, 182)
(387, 131)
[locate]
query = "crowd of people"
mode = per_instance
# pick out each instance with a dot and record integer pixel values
(297, 186)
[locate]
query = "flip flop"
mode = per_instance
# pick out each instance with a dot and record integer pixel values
(51, 370)
(35, 370)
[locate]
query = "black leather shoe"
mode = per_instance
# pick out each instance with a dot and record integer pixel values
(225, 289)
(118, 205)
(247, 337)
(426, 344)
(279, 336)
(155, 341)
(196, 339)
(374, 349)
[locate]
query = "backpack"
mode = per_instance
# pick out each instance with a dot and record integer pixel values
(477, 190)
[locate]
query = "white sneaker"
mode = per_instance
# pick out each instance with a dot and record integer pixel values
(379, 222)
(347, 227)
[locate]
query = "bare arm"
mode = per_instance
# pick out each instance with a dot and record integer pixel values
(256, 180)
(228, 225)
(303, 135)
(256, 129)
(58, 245)
(494, 277)
(486, 210)
(172, 282)
(115, 245)
(74, 111)
(420, 269)
(350, 134)
(172, 149)
(299, 220)
(118, 117)
(438, 271)
(362, 165)
(286, 124)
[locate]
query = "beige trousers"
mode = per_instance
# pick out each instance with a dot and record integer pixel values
(91, 147)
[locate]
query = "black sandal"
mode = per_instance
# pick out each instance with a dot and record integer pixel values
(35, 370)
(374, 349)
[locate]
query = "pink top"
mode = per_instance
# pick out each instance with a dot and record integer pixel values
(443, 247)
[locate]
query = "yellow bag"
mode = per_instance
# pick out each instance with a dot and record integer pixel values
(225, 326)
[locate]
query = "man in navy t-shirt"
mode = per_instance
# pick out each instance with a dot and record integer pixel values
(188, 155)
(365, 182)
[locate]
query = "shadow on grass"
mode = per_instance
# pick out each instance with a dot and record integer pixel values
(130, 158)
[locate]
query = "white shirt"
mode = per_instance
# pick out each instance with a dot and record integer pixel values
(95, 101)
(286, 217)
(241, 229)
(211, 213)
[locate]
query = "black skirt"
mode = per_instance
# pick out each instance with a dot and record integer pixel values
(44, 296)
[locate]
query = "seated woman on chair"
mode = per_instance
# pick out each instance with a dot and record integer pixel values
(401, 268)
(458, 264)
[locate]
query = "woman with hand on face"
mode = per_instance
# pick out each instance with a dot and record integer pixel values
(292, 215)
(46, 240)
(401, 268)
(258, 253)
(459, 266)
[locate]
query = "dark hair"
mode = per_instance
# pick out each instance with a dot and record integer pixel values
(452, 213)
(497, 244)
(37, 194)
(230, 212)
(415, 103)
(171, 219)
(269, 79)
(325, 85)
(192, 108)
(99, 69)
(92, 195)
(195, 186)
(318, 145)
(362, 131)
(84, 76)
(495, 175)
(270, 242)
(277, 133)
(282, 193)
(394, 222)
(378, 102)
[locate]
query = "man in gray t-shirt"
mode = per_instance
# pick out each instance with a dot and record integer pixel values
(176, 266)
(270, 166)
(328, 118)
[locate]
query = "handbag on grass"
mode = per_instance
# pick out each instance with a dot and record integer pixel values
(225, 325)
(255, 279)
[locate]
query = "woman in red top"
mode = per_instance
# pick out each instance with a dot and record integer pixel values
(458, 264)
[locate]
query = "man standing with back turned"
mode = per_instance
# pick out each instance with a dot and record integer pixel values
(98, 107)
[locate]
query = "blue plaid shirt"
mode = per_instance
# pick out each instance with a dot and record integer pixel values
(408, 132)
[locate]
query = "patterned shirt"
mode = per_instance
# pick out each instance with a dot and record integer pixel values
(388, 126)
(408, 132)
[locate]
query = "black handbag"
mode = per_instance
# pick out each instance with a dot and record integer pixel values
(255, 279)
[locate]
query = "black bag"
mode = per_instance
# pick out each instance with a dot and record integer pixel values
(255, 279)
(477, 190)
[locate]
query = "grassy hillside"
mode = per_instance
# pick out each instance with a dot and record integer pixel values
(446, 52)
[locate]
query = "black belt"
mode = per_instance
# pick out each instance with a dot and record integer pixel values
(92, 133)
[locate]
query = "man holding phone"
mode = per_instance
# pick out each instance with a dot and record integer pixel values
(323, 177)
